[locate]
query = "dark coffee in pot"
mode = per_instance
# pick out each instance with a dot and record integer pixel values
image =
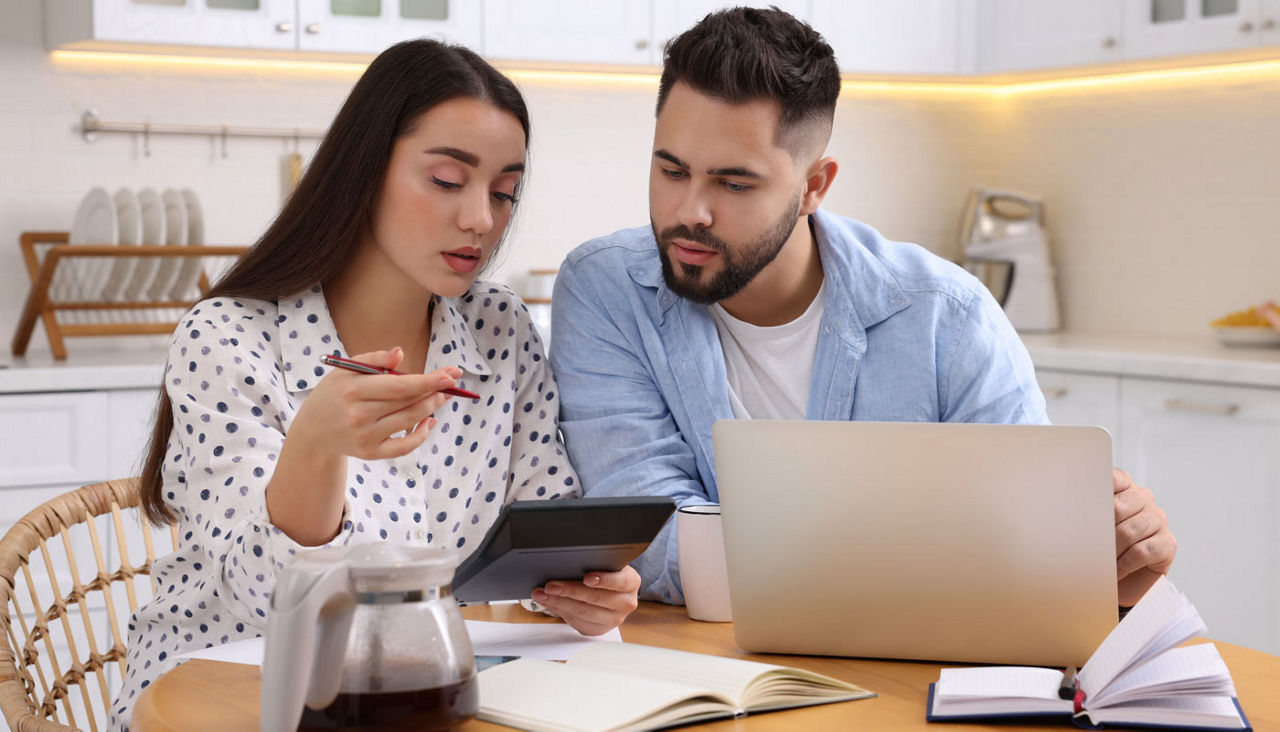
(424, 709)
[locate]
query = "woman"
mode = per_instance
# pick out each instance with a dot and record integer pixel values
(260, 451)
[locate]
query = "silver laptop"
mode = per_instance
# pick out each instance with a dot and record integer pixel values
(946, 542)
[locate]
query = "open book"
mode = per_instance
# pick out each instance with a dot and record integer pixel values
(1137, 677)
(623, 686)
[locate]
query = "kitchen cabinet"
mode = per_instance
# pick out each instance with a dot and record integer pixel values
(1014, 35)
(52, 443)
(369, 26)
(1154, 28)
(354, 26)
(1083, 399)
(673, 17)
(578, 31)
(1211, 454)
(905, 36)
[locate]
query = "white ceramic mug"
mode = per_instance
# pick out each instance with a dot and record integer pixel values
(702, 566)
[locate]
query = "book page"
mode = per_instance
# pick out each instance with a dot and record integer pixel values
(728, 676)
(1194, 670)
(999, 682)
(752, 685)
(543, 695)
(1131, 638)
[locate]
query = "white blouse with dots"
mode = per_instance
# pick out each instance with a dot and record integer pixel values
(237, 373)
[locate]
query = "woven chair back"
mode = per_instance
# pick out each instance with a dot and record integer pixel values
(74, 570)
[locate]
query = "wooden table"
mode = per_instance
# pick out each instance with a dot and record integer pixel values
(200, 695)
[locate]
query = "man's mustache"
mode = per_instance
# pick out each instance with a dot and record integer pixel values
(701, 236)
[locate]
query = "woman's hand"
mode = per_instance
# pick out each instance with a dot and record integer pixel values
(1271, 313)
(360, 414)
(348, 414)
(597, 604)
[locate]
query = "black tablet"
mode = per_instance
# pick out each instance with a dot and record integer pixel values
(534, 542)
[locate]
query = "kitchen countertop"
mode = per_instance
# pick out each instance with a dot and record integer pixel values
(1164, 357)
(1190, 358)
(86, 370)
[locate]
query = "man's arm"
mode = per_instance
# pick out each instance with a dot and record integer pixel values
(621, 436)
(991, 379)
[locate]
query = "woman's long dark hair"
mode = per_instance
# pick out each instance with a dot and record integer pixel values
(323, 222)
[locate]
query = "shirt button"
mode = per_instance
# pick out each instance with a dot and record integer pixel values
(420, 534)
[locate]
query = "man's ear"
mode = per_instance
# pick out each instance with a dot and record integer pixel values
(817, 183)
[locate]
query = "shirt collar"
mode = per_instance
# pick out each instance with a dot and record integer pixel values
(307, 332)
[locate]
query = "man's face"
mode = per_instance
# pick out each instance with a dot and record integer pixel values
(723, 197)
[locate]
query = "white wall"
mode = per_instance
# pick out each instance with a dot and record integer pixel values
(1160, 201)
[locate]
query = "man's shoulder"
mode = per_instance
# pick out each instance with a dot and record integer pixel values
(625, 246)
(912, 267)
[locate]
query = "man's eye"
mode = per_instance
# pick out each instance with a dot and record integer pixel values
(674, 173)
(736, 187)
(448, 185)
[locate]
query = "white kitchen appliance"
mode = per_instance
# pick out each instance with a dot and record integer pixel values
(1006, 246)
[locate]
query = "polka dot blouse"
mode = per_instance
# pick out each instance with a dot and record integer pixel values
(239, 370)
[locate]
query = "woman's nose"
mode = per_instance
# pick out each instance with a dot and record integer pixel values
(476, 214)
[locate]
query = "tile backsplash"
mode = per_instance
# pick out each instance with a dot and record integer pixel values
(1161, 202)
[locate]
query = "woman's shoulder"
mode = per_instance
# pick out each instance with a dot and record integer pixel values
(227, 310)
(492, 301)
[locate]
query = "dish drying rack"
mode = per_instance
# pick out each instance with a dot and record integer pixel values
(139, 315)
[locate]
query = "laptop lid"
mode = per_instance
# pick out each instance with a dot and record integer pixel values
(948, 542)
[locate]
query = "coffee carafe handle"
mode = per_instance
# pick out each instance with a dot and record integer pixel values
(311, 610)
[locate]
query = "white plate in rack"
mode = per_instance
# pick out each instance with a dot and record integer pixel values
(184, 287)
(152, 212)
(175, 235)
(129, 230)
(95, 223)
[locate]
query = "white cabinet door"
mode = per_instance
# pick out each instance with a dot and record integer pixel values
(1170, 27)
(370, 26)
(1083, 399)
(575, 31)
(53, 438)
(1269, 23)
(130, 416)
(673, 17)
(235, 23)
(1015, 35)
(1211, 454)
(900, 37)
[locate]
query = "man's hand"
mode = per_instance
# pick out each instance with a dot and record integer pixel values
(1144, 544)
(597, 604)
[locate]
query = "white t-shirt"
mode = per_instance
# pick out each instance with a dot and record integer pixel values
(769, 368)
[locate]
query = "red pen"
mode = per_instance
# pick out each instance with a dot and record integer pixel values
(364, 368)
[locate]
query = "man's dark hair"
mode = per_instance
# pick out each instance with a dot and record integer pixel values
(747, 54)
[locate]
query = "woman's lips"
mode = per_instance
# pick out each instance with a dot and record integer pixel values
(463, 259)
(689, 255)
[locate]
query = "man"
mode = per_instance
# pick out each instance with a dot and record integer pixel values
(743, 298)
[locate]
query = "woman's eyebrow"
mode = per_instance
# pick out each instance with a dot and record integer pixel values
(471, 159)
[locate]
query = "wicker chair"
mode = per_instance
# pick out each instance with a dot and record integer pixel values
(62, 653)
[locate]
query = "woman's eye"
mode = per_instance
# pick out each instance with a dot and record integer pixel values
(447, 185)
(505, 197)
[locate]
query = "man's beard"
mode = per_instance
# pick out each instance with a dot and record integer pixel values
(737, 269)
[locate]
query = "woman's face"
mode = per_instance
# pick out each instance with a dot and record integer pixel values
(448, 193)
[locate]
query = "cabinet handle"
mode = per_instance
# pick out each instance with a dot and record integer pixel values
(1057, 393)
(641, 44)
(284, 27)
(1269, 24)
(1246, 27)
(1183, 405)
(313, 28)
(1109, 42)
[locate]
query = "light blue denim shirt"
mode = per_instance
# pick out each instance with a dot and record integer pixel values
(906, 337)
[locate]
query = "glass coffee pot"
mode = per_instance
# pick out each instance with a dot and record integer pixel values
(367, 636)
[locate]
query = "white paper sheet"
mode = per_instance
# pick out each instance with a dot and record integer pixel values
(547, 641)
